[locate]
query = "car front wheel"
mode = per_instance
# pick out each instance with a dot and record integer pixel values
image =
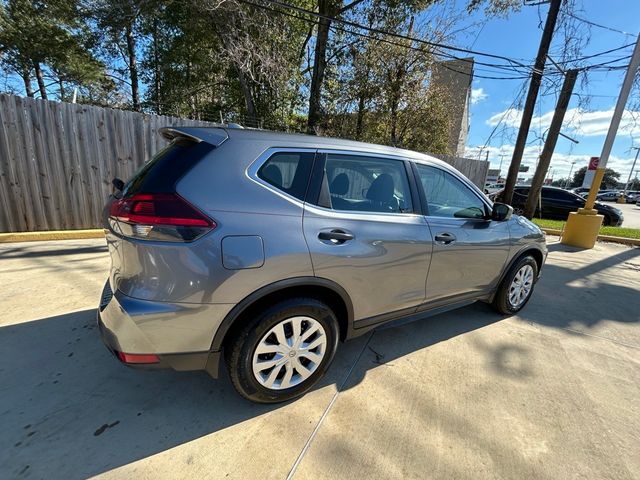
(517, 286)
(283, 351)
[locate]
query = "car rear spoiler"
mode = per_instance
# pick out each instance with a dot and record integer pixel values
(215, 136)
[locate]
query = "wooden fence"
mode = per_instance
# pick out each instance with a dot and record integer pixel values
(57, 160)
(474, 170)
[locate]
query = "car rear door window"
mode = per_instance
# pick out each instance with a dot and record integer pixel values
(288, 172)
(447, 196)
(366, 184)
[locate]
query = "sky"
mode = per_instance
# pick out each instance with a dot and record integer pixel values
(518, 36)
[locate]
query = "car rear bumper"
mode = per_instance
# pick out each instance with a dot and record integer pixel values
(138, 327)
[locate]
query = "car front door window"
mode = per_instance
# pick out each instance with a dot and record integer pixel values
(447, 196)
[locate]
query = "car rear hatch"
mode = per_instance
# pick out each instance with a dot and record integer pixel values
(148, 212)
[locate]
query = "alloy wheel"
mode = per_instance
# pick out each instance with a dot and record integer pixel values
(521, 286)
(289, 353)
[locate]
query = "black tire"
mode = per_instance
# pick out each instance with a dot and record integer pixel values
(243, 346)
(606, 221)
(501, 301)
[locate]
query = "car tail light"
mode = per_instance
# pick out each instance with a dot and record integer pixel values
(139, 359)
(158, 216)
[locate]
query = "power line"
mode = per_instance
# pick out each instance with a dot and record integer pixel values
(516, 99)
(335, 28)
(572, 15)
(442, 64)
(513, 63)
(599, 54)
(392, 34)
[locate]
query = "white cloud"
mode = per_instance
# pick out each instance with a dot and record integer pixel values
(560, 162)
(478, 95)
(577, 122)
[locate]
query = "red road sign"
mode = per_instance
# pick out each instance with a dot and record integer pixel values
(593, 163)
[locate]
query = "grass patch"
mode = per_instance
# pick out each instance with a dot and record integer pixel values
(613, 231)
(544, 223)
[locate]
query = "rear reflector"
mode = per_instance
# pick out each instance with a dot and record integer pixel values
(137, 359)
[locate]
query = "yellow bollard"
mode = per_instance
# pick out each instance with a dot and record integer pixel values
(583, 226)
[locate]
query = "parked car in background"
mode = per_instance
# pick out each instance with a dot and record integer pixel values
(264, 250)
(608, 195)
(580, 190)
(557, 203)
(493, 187)
(632, 196)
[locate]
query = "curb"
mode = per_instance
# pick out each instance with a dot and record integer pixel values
(602, 238)
(51, 235)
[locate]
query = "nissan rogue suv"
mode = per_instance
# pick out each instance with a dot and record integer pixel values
(264, 250)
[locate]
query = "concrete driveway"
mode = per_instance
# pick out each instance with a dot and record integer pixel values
(631, 213)
(551, 393)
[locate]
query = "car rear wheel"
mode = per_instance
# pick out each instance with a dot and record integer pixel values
(517, 286)
(606, 221)
(283, 351)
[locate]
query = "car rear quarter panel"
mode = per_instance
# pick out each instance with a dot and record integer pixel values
(194, 272)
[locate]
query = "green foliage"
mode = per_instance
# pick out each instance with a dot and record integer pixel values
(610, 179)
(498, 8)
(623, 232)
(48, 40)
(560, 182)
(634, 184)
(212, 59)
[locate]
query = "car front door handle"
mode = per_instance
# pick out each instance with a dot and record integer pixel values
(336, 236)
(445, 238)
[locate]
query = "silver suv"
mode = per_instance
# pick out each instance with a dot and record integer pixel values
(266, 249)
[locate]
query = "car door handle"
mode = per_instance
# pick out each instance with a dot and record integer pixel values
(336, 236)
(445, 238)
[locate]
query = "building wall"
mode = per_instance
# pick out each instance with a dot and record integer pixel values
(454, 78)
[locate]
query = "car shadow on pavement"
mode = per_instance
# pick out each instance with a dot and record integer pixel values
(66, 400)
(586, 293)
(29, 252)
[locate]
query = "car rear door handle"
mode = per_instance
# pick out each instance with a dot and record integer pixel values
(336, 236)
(446, 238)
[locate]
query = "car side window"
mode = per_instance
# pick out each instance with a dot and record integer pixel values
(366, 184)
(566, 196)
(447, 196)
(288, 171)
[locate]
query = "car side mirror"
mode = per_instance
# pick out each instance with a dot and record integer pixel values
(501, 212)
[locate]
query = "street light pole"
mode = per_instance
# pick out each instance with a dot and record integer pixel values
(569, 177)
(583, 226)
(633, 167)
(502, 155)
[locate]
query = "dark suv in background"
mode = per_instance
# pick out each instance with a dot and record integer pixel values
(556, 204)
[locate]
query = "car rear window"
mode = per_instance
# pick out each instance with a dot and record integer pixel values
(289, 172)
(162, 172)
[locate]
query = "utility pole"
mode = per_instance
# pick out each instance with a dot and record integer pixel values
(633, 167)
(583, 226)
(569, 177)
(502, 155)
(550, 143)
(530, 102)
